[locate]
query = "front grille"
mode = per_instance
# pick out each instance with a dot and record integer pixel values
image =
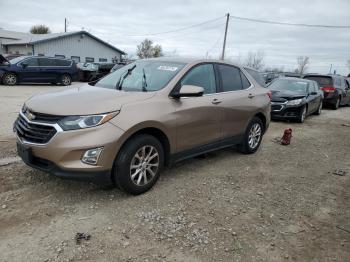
(44, 118)
(34, 133)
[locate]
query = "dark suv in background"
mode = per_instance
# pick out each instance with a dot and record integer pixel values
(37, 69)
(335, 89)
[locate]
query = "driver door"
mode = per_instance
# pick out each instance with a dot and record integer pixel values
(198, 119)
(30, 71)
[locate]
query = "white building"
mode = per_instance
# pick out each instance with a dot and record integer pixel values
(81, 46)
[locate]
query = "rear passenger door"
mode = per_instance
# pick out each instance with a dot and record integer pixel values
(48, 69)
(236, 101)
(313, 98)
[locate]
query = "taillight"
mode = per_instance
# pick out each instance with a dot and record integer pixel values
(328, 89)
(269, 94)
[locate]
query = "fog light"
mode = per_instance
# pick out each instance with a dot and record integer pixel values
(91, 156)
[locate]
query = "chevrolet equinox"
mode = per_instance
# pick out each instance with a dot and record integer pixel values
(124, 128)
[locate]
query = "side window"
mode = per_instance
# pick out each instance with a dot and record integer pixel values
(230, 77)
(203, 76)
(102, 59)
(89, 59)
(337, 81)
(60, 62)
(257, 77)
(31, 62)
(245, 81)
(46, 62)
(311, 87)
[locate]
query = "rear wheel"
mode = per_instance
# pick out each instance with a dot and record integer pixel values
(138, 164)
(10, 79)
(302, 115)
(66, 80)
(252, 137)
(337, 104)
(319, 109)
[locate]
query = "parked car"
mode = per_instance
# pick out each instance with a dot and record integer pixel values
(256, 75)
(116, 67)
(146, 115)
(37, 69)
(336, 92)
(295, 98)
(89, 72)
(269, 76)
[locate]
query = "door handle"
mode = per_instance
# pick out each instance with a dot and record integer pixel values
(250, 96)
(216, 101)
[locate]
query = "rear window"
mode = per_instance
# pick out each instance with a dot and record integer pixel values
(321, 80)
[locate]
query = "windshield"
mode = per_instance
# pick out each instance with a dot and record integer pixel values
(17, 59)
(142, 75)
(289, 85)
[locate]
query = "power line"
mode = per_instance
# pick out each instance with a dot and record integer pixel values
(288, 24)
(180, 29)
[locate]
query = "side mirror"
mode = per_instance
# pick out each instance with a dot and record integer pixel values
(313, 93)
(24, 65)
(189, 91)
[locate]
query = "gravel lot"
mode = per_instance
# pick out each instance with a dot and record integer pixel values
(281, 204)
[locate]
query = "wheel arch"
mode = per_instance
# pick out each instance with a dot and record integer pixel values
(158, 134)
(263, 118)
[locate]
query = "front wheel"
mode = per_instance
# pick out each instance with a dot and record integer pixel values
(252, 137)
(66, 80)
(319, 109)
(138, 164)
(302, 115)
(10, 79)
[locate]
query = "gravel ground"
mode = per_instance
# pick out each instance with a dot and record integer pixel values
(281, 204)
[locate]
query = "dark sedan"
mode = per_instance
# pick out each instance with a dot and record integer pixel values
(295, 98)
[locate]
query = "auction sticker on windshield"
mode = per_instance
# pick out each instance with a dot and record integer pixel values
(167, 68)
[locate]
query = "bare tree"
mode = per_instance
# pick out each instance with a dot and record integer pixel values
(303, 62)
(146, 49)
(40, 29)
(255, 59)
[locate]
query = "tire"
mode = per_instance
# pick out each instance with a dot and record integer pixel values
(252, 137)
(66, 80)
(302, 115)
(10, 79)
(132, 154)
(319, 109)
(337, 104)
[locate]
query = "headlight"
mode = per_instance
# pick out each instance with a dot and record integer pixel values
(79, 122)
(294, 102)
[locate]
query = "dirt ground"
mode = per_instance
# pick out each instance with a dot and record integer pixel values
(281, 204)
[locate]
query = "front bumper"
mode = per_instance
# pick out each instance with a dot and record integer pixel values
(283, 111)
(61, 155)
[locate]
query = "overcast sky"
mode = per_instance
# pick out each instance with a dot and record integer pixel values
(125, 24)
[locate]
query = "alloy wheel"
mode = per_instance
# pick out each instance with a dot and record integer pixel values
(254, 136)
(10, 79)
(66, 80)
(144, 165)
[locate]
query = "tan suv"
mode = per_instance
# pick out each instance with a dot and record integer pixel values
(152, 113)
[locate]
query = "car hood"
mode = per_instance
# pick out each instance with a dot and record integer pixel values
(84, 100)
(281, 96)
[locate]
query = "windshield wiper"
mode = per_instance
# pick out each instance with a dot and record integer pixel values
(144, 81)
(122, 78)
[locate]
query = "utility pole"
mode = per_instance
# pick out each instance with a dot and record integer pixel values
(65, 25)
(224, 45)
